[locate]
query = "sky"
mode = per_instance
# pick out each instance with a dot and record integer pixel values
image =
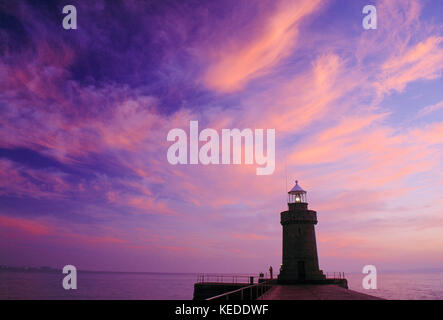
(84, 116)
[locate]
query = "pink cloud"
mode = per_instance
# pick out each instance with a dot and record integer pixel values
(250, 236)
(150, 205)
(242, 60)
(424, 61)
(18, 180)
(430, 109)
(27, 225)
(429, 135)
(93, 240)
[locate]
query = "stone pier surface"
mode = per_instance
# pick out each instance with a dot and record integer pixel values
(314, 292)
(204, 291)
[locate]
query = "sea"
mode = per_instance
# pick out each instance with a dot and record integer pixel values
(179, 286)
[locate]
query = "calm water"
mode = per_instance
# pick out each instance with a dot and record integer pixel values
(22, 285)
(403, 286)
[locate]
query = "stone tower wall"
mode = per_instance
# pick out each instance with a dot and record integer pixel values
(299, 245)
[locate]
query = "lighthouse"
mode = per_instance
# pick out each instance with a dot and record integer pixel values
(300, 259)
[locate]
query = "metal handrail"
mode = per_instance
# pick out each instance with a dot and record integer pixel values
(224, 278)
(335, 275)
(261, 288)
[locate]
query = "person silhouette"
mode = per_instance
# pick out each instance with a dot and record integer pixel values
(270, 271)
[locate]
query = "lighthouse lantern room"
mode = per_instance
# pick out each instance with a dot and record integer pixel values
(297, 194)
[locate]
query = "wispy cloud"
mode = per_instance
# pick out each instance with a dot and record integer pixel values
(430, 109)
(243, 59)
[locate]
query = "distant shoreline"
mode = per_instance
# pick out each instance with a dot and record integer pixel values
(45, 269)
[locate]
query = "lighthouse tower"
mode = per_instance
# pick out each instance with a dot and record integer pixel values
(300, 259)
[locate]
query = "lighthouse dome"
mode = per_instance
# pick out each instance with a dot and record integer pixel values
(296, 189)
(297, 194)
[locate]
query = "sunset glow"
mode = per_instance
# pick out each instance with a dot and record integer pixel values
(85, 114)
